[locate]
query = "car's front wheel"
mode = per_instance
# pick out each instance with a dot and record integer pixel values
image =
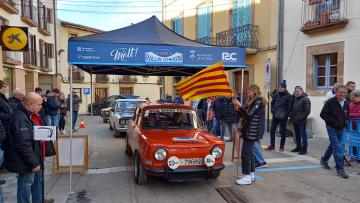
(140, 174)
(117, 133)
(215, 175)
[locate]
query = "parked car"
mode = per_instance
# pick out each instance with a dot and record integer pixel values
(105, 114)
(168, 140)
(121, 112)
(97, 106)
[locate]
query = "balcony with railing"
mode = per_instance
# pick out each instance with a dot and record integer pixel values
(77, 73)
(12, 58)
(127, 79)
(43, 26)
(31, 59)
(45, 63)
(102, 78)
(321, 15)
(243, 36)
(29, 13)
(9, 6)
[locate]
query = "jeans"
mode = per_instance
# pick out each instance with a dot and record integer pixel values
(216, 124)
(74, 115)
(301, 136)
(1, 195)
(1, 156)
(334, 147)
(274, 124)
(55, 120)
(230, 127)
(247, 157)
(209, 125)
(29, 187)
(259, 158)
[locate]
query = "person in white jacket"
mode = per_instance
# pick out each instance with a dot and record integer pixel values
(331, 93)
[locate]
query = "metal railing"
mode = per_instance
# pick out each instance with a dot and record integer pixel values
(29, 11)
(101, 78)
(322, 12)
(243, 36)
(45, 62)
(31, 58)
(127, 79)
(43, 21)
(11, 56)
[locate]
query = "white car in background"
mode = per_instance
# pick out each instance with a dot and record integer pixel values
(121, 112)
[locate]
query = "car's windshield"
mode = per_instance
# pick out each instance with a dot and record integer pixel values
(128, 106)
(170, 119)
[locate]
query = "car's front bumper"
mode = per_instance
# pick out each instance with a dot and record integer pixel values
(121, 129)
(186, 173)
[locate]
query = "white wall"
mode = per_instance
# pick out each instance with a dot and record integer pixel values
(295, 72)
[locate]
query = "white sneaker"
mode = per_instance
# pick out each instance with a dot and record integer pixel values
(252, 174)
(246, 180)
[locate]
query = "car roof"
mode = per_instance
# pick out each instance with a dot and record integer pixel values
(131, 100)
(165, 105)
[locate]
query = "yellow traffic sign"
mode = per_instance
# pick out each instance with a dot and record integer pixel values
(14, 38)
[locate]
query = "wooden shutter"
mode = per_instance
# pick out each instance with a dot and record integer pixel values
(49, 15)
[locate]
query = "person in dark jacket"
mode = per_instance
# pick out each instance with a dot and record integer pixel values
(18, 96)
(76, 107)
(5, 107)
(44, 110)
(299, 113)
(178, 99)
(22, 152)
(53, 104)
(251, 131)
(230, 118)
(202, 109)
(335, 113)
(218, 107)
(350, 86)
(168, 98)
(62, 111)
(280, 109)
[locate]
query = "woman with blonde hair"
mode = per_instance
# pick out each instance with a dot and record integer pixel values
(253, 126)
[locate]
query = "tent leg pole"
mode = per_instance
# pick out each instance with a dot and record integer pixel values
(242, 85)
(91, 94)
(71, 130)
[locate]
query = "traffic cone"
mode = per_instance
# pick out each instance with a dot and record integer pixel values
(82, 124)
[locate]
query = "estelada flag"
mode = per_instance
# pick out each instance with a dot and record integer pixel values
(211, 81)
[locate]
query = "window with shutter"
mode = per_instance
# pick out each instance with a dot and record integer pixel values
(204, 20)
(49, 15)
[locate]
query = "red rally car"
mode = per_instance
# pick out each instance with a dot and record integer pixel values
(168, 140)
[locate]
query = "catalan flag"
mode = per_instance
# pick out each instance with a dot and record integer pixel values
(211, 81)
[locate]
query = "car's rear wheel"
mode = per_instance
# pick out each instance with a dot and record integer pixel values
(127, 146)
(104, 120)
(140, 174)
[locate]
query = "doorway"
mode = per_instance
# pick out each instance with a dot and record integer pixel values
(101, 94)
(237, 77)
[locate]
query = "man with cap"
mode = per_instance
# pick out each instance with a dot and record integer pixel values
(280, 109)
(300, 111)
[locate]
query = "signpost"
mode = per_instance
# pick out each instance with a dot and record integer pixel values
(14, 38)
(268, 85)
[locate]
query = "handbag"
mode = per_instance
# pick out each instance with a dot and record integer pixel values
(49, 149)
(280, 114)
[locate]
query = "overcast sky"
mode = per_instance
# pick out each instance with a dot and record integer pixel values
(108, 14)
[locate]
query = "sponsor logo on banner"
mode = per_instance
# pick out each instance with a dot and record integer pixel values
(164, 55)
(85, 49)
(124, 54)
(229, 57)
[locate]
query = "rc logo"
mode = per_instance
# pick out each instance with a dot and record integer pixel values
(226, 56)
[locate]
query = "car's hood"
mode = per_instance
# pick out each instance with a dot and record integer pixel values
(180, 138)
(125, 114)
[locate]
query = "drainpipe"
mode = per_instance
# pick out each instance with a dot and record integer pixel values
(280, 42)
(55, 43)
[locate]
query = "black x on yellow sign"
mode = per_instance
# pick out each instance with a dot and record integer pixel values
(14, 38)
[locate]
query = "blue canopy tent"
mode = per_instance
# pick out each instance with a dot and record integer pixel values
(145, 48)
(148, 48)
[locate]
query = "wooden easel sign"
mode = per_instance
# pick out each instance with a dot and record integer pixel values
(80, 158)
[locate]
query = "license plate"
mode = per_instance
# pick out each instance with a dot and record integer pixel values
(192, 162)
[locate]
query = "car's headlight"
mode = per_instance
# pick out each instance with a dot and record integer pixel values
(160, 154)
(122, 122)
(216, 152)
